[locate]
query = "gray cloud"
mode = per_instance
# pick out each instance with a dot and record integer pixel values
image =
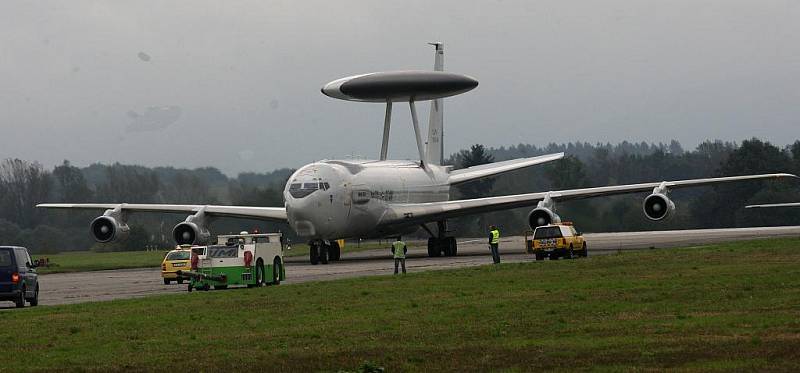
(250, 71)
(154, 118)
(143, 56)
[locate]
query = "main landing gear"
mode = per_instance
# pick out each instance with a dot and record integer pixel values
(441, 244)
(446, 246)
(320, 251)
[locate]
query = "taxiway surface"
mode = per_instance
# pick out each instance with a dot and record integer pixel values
(66, 288)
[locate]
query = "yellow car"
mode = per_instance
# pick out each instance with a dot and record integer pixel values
(559, 240)
(176, 260)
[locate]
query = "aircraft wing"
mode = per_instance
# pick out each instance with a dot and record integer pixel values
(418, 213)
(247, 212)
(486, 170)
(793, 204)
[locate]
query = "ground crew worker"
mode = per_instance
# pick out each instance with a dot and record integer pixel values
(399, 251)
(494, 241)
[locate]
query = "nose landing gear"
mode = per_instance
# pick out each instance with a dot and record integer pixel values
(322, 252)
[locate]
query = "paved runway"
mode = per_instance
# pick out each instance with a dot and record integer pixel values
(68, 288)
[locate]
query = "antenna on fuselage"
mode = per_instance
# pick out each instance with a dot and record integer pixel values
(405, 86)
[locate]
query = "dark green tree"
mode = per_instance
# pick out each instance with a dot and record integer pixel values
(475, 156)
(567, 172)
(723, 205)
(70, 185)
(22, 186)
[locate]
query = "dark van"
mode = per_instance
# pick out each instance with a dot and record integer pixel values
(19, 281)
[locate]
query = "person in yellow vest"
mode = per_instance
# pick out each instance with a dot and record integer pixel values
(494, 241)
(399, 251)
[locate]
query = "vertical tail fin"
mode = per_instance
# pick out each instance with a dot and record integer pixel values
(434, 149)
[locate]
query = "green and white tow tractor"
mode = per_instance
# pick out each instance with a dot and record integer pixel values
(238, 259)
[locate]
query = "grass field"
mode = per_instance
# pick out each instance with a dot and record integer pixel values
(717, 308)
(91, 261)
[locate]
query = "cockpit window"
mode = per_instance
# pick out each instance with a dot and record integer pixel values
(300, 190)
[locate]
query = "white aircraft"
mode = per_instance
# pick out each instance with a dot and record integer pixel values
(336, 199)
(769, 205)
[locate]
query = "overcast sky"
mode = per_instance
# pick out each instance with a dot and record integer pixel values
(235, 85)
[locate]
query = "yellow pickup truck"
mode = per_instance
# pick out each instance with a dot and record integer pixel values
(555, 241)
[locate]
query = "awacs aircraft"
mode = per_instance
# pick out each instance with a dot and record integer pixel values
(335, 199)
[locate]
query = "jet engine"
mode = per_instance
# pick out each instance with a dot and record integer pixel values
(542, 216)
(188, 233)
(544, 213)
(111, 226)
(192, 231)
(658, 206)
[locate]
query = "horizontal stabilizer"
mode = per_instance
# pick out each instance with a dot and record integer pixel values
(790, 204)
(491, 169)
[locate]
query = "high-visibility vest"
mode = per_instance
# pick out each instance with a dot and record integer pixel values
(398, 249)
(495, 236)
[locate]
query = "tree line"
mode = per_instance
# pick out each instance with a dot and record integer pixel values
(23, 184)
(589, 165)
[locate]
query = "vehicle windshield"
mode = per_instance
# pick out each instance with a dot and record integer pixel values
(547, 232)
(5, 258)
(178, 255)
(301, 190)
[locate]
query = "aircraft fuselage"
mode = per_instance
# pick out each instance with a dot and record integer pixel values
(346, 198)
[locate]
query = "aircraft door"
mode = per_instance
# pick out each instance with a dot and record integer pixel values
(403, 192)
(347, 197)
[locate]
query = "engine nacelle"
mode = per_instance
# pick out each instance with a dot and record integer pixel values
(107, 228)
(542, 216)
(194, 230)
(658, 206)
(190, 233)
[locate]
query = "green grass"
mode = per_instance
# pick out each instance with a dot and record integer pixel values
(716, 308)
(91, 261)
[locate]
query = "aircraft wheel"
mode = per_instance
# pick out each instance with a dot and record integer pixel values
(323, 253)
(450, 246)
(434, 247)
(313, 252)
(335, 251)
